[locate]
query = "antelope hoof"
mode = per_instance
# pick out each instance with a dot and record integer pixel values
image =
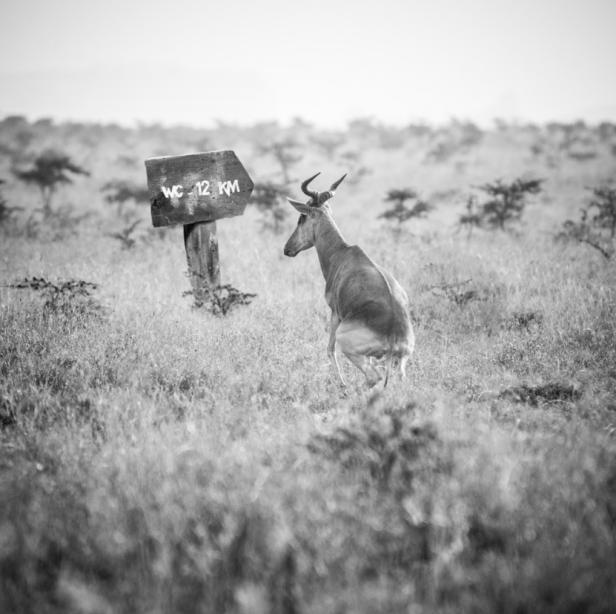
(373, 381)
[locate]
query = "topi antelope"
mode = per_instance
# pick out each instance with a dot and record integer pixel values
(370, 310)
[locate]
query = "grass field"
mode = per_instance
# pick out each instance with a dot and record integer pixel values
(155, 458)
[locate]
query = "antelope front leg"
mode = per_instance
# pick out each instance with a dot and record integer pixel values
(331, 346)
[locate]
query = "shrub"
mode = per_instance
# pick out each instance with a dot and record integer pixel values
(552, 392)
(457, 293)
(69, 298)
(222, 299)
(597, 224)
(604, 203)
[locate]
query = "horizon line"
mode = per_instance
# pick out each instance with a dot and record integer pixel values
(287, 122)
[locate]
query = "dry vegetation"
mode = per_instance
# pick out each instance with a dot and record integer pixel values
(157, 458)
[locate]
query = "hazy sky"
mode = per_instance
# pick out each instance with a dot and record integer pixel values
(327, 61)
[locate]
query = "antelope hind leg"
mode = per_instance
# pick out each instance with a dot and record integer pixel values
(357, 342)
(403, 362)
(363, 364)
(331, 346)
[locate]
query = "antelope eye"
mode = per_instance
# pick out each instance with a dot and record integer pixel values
(302, 219)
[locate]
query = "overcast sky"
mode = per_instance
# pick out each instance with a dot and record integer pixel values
(327, 61)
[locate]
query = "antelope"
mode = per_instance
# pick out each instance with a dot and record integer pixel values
(370, 310)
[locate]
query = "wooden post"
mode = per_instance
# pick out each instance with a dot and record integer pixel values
(195, 190)
(201, 244)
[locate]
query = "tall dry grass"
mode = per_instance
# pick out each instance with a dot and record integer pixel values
(157, 459)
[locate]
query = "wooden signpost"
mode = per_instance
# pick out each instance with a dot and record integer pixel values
(196, 190)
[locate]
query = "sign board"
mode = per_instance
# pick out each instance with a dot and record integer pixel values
(196, 190)
(201, 187)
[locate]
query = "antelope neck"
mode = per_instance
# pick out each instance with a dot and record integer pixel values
(328, 241)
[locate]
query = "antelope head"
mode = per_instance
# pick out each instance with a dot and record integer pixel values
(311, 212)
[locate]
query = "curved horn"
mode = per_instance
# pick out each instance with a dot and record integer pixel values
(325, 196)
(307, 192)
(337, 183)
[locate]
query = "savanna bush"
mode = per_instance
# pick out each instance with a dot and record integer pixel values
(597, 224)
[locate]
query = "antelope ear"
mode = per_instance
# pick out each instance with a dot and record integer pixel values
(301, 207)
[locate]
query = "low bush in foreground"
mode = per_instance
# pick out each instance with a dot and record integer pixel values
(390, 508)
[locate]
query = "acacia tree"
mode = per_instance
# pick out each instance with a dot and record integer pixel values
(50, 170)
(507, 201)
(119, 192)
(400, 212)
